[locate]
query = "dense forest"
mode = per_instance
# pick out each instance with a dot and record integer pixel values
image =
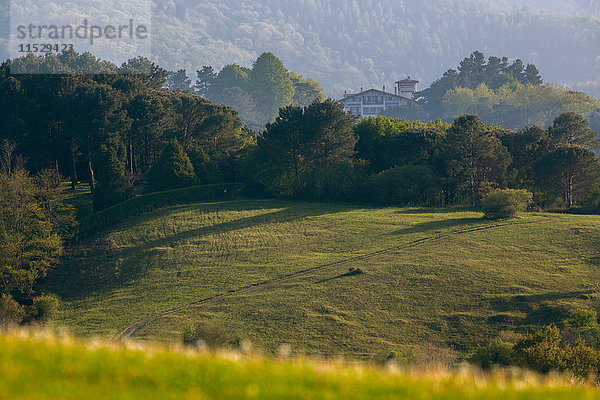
(137, 134)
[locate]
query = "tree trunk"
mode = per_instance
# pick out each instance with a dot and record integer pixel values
(73, 169)
(92, 176)
(130, 150)
(570, 202)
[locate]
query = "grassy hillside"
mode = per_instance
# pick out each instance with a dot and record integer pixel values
(91, 371)
(276, 272)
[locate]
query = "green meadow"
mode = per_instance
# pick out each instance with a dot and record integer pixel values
(279, 273)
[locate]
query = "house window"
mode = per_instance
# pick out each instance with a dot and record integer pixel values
(373, 100)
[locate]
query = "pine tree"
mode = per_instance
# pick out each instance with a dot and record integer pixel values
(112, 183)
(572, 129)
(179, 81)
(206, 77)
(517, 69)
(532, 76)
(473, 156)
(172, 170)
(304, 140)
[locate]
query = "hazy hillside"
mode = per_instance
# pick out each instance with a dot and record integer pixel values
(346, 45)
(349, 44)
(564, 6)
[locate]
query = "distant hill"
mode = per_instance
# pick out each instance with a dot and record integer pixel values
(562, 6)
(349, 44)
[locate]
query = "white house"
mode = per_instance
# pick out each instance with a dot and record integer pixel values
(372, 102)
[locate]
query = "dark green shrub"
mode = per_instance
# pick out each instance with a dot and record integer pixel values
(172, 170)
(591, 204)
(405, 185)
(507, 203)
(542, 351)
(497, 353)
(11, 312)
(209, 335)
(583, 361)
(44, 309)
(207, 171)
(584, 319)
(331, 181)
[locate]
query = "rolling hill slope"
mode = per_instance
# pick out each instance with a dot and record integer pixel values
(277, 272)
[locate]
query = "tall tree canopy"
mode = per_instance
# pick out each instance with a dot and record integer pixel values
(474, 71)
(271, 85)
(179, 81)
(302, 140)
(473, 156)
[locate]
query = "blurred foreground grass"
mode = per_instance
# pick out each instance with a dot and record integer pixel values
(44, 366)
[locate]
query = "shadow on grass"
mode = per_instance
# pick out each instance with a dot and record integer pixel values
(286, 215)
(342, 276)
(94, 267)
(434, 210)
(539, 309)
(438, 225)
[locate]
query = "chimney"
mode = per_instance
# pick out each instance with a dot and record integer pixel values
(361, 89)
(396, 91)
(383, 88)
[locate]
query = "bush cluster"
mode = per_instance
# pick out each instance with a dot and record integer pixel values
(507, 203)
(43, 310)
(543, 351)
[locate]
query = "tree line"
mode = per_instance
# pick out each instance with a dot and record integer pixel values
(320, 152)
(109, 129)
